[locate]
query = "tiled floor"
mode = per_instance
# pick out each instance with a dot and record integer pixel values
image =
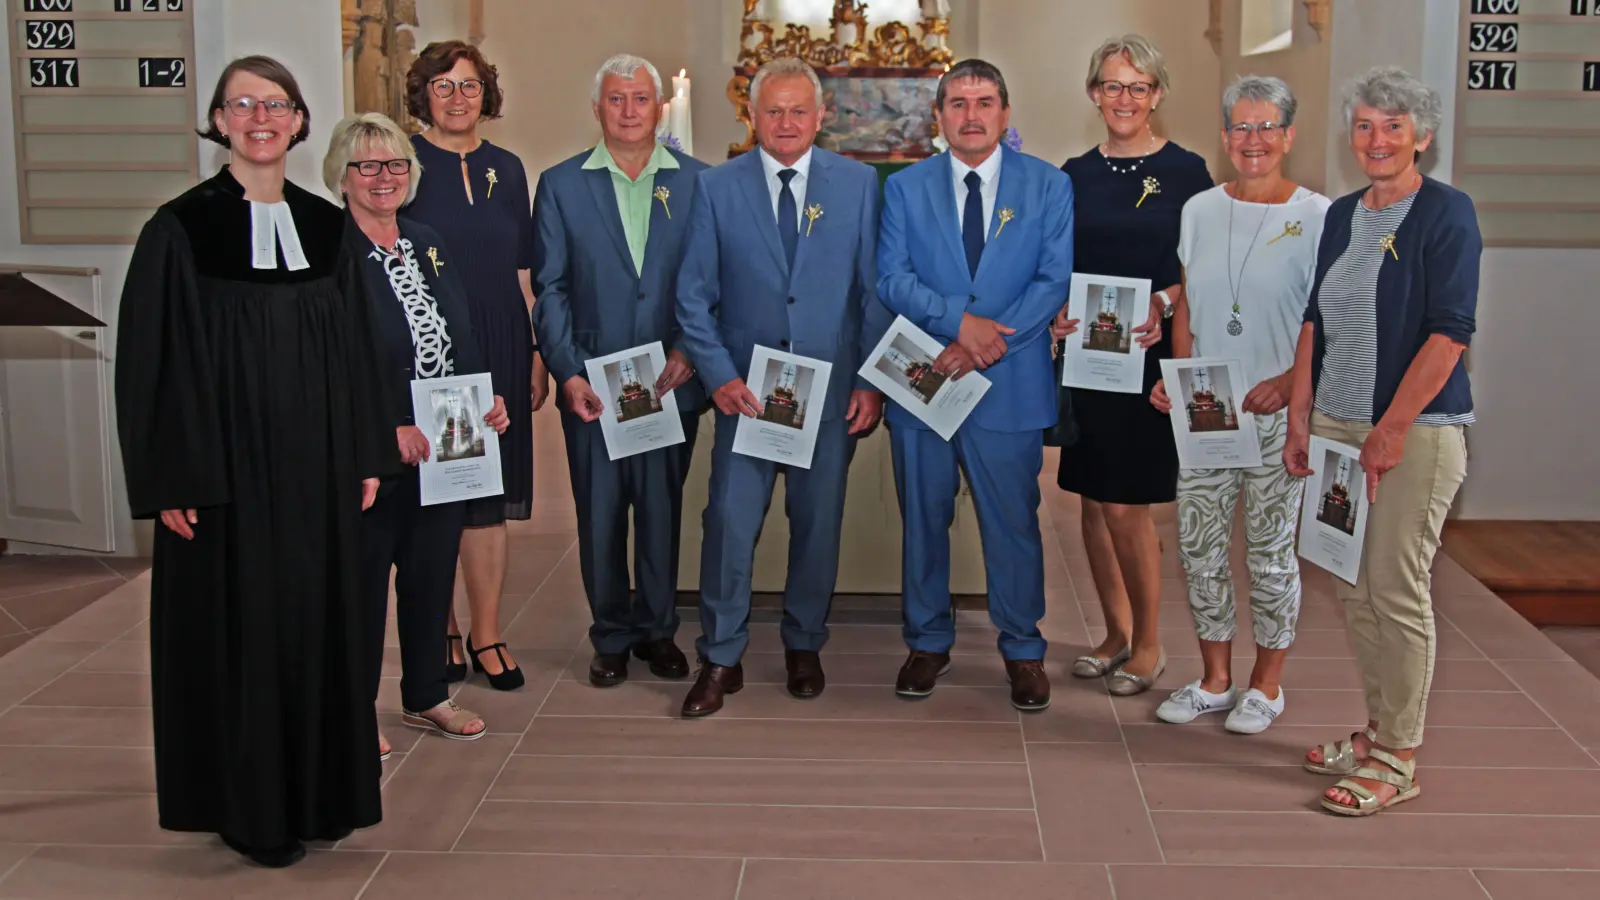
(37, 592)
(582, 793)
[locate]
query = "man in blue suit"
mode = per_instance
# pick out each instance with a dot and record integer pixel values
(976, 249)
(780, 254)
(609, 229)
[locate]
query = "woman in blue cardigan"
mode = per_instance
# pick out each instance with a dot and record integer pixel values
(1379, 367)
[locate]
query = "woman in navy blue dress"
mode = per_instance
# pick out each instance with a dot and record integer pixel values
(1128, 197)
(476, 196)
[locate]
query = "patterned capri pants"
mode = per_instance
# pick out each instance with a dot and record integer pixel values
(1207, 500)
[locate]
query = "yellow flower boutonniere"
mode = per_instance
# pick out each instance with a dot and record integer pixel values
(493, 180)
(1151, 186)
(813, 213)
(1292, 229)
(1006, 215)
(662, 194)
(433, 257)
(1388, 244)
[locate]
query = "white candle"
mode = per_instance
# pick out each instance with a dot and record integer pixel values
(681, 122)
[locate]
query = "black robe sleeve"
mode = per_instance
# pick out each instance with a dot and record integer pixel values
(168, 421)
(377, 449)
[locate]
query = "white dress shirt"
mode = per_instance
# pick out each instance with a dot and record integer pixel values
(797, 184)
(988, 187)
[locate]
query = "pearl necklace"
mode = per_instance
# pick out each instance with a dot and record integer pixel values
(1134, 167)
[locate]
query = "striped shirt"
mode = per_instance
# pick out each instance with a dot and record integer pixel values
(1349, 305)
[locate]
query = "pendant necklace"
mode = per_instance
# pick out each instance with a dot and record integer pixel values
(1134, 166)
(1235, 324)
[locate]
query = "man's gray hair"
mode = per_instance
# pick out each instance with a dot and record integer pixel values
(1395, 91)
(782, 67)
(373, 132)
(1262, 89)
(624, 65)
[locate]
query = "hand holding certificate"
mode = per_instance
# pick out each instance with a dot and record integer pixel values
(902, 367)
(1211, 432)
(790, 394)
(1333, 516)
(463, 461)
(1105, 354)
(636, 417)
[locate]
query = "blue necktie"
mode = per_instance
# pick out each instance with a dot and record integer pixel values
(788, 217)
(972, 223)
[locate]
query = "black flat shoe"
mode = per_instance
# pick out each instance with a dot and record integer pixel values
(453, 671)
(273, 858)
(509, 678)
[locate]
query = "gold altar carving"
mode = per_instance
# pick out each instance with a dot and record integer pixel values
(852, 43)
(381, 51)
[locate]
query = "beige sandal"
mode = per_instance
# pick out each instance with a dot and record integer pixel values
(1338, 757)
(454, 721)
(1401, 774)
(1095, 667)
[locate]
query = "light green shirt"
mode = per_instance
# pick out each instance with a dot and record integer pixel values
(633, 197)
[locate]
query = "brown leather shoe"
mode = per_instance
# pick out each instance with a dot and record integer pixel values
(920, 673)
(1030, 687)
(664, 657)
(714, 682)
(806, 680)
(608, 669)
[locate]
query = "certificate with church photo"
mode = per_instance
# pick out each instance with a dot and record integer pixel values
(463, 451)
(637, 419)
(790, 393)
(1333, 515)
(902, 367)
(1211, 432)
(1104, 354)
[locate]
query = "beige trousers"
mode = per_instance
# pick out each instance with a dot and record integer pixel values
(1389, 611)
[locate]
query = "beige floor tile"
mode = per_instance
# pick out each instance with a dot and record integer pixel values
(1282, 882)
(203, 873)
(76, 726)
(125, 770)
(1090, 808)
(429, 876)
(1562, 690)
(122, 657)
(767, 879)
(774, 739)
(1503, 885)
(429, 799)
(20, 575)
(67, 818)
(93, 689)
(1207, 743)
(769, 701)
(37, 611)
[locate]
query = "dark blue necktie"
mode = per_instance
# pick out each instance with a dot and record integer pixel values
(972, 223)
(788, 217)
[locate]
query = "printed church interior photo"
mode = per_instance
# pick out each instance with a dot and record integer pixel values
(244, 654)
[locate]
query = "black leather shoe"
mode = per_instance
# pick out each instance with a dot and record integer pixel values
(664, 657)
(608, 669)
(713, 684)
(806, 680)
(921, 673)
(1030, 687)
(273, 858)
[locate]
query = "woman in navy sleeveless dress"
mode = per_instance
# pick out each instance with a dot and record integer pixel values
(476, 195)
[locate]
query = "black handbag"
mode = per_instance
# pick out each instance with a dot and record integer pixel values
(1065, 432)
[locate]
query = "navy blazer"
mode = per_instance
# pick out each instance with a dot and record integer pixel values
(589, 300)
(1022, 277)
(736, 290)
(1432, 288)
(398, 356)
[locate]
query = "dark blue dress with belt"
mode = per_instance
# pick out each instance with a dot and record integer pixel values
(490, 233)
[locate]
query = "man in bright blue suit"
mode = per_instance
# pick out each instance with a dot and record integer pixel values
(606, 253)
(976, 249)
(780, 254)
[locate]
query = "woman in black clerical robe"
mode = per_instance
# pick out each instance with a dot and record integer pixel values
(253, 425)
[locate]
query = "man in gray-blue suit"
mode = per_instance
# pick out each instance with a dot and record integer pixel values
(609, 229)
(780, 254)
(976, 249)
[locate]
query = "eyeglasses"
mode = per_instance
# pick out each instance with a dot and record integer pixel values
(246, 106)
(1269, 131)
(444, 87)
(1139, 89)
(371, 167)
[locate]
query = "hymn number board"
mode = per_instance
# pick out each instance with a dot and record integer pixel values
(1528, 120)
(103, 101)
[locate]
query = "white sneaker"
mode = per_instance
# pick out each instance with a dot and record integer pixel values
(1190, 702)
(1254, 712)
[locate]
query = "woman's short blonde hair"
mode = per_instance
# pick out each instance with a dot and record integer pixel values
(1142, 54)
(369, 129)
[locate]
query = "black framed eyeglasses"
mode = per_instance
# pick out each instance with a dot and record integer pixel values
(246, 106)
(1139, 89)
(371, 167)
(444, 87)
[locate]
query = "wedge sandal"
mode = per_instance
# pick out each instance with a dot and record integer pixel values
(1401, 774)
(1338, 757)
(450, 726)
